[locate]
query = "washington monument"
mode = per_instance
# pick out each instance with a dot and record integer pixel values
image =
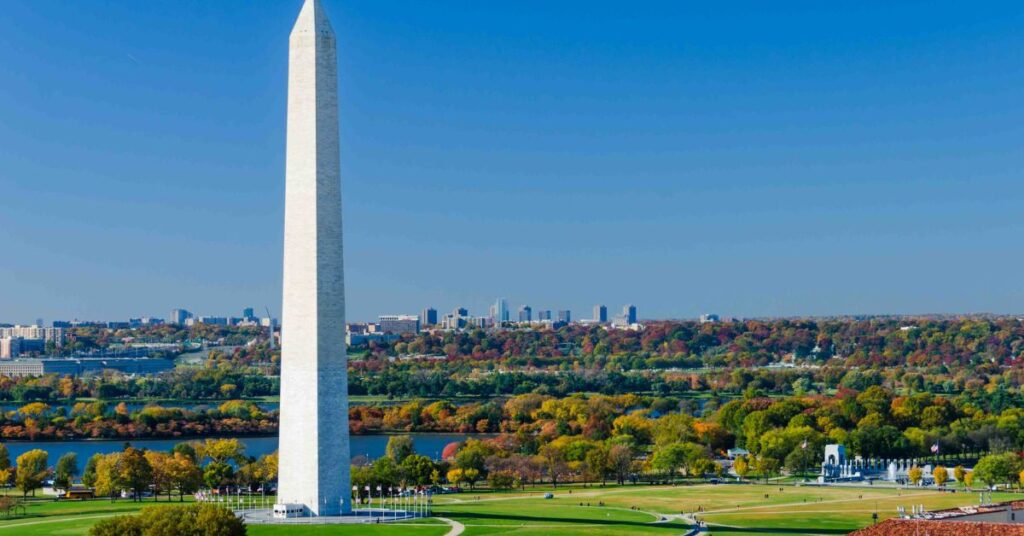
(314, 449)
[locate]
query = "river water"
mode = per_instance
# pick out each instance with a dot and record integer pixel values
(136, 406)
(371, 446)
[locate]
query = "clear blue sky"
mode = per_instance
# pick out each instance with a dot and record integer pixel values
(741, 158)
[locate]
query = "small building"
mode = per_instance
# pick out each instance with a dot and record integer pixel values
(284, 511)
(400, 324)
(80, 366)
(79, 491)
(736, 452)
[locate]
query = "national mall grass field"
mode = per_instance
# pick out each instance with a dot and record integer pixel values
(730, 509)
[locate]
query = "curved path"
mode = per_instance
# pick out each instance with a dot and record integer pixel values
(57, 519)
(456, 527)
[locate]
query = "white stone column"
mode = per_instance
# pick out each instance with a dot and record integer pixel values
(314, 442)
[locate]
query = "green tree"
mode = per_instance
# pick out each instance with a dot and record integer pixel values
(191, 520)
(670, 458)
(399, 448)
(767, 467)
(473, 455)
(501, 480)
(552, 458)
(89, 473)
(268, 468)
(6, 472)
(673, 428)
(385, 471)
(31, 471)
(620, 460)
(997, 468)
(187, 449)
(65, 471)
(184, 474)
(159, 462)
(798, 460)
(222, 450)
(5, 457)
(218, 474)
(598, 463)
(109, 479)
(416, 469)
(136, 472)
(118, 526)
(702, 466)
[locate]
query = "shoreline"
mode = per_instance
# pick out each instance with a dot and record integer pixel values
(231, 436)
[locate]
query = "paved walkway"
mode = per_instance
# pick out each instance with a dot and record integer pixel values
(59, 519)
(456, 527)
(791, 504)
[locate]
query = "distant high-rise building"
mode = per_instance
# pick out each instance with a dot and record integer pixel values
(456, 319)
(10, 347)
(629, 312)
(248, 313)
(450, 321)
(55, 335)
(499, 311)
(564, 315)
(544, 314)
(179, 316)
(600, 313)
(428, 317)
(400, 324)
(480, 322)
(525, 314)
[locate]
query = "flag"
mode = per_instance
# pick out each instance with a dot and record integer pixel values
(935, 448)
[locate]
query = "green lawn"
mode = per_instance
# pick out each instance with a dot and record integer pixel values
(414, 529)
(51, 508)
(56, 527)
(732, 510)
(562, 515)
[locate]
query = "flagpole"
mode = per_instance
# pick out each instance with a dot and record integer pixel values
(803, 470)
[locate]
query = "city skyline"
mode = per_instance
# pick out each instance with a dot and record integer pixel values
(813, 161)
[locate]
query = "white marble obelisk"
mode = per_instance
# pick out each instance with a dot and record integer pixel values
(314, 444)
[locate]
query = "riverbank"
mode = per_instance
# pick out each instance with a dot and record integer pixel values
(370, 446)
